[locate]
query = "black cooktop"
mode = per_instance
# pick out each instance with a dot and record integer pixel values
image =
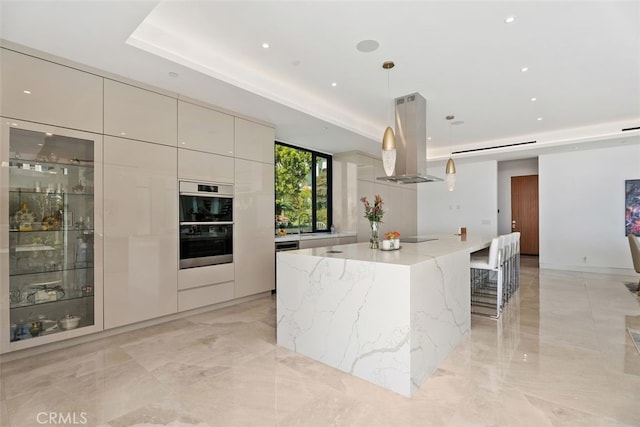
(417, 239)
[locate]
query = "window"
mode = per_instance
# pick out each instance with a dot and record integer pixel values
(303, 189)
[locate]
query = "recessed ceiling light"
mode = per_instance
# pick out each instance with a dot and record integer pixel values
(334, 84)
(428, 138)
(509, 19)
(14, 124)
(539, 118)
(367, 46)
(265, 45)
(28, 92)
(173, 74)
(524, 69)
(40, 144)
(122, 133)
(183, 143)
(48, 134)
(534, 99)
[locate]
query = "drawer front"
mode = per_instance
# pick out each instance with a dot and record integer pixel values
(207, 295)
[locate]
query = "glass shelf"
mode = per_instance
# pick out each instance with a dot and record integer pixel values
(87, 266)
(51, 194)
(63, 298)
(86, 231)
(47, 166)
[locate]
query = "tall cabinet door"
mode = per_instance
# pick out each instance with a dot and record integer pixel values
(50, 234)
(41, 91)
(254, 228)
(140, 223)
(139, 114)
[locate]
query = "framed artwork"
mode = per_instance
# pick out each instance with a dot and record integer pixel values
(632, 207)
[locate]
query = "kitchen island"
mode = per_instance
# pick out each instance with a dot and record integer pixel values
(389, 317)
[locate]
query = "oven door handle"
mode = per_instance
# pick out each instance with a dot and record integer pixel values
(210, 195)
(207, 223)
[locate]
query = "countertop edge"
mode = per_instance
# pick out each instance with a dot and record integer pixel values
(298, 237)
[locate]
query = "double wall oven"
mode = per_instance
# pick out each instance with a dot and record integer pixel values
(206, 224)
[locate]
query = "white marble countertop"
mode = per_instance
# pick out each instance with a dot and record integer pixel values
(408, 254)
(312, 236)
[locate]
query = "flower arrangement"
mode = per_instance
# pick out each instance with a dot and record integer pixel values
(373, 213)
(391, 235)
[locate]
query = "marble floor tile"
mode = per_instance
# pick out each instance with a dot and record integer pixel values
(166, 411)
(4, 415)
(115, 391)
(559, 356)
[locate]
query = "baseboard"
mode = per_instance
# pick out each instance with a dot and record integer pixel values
(590, 269)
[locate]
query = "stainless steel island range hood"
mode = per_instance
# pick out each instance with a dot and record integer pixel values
(411, 141)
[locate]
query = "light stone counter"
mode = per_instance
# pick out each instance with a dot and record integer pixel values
(389, 317)
(313, 236)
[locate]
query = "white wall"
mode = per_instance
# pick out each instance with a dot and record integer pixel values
(473, 203)
(506, 170)
(582, 208)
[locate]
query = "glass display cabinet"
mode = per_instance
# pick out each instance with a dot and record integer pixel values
(49, 265)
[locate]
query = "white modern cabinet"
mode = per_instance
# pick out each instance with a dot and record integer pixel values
(202, 286)
(50, 234)
(135, 113)
(198, 166)
(127, 202)
(253, 216)
(140, 227)
(204, 129)
(45, 92)
(254, 141)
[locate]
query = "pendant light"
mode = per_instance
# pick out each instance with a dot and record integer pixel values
(450, 169)
(389, 139)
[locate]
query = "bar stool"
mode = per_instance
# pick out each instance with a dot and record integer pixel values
(517, 259)
(487, 276)
(508, 265)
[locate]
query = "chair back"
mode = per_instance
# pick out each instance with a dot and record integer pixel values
(516, 237)
(634, 244)
(508, 246)
(494, 249)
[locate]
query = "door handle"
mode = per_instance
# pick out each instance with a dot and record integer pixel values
(513, 225)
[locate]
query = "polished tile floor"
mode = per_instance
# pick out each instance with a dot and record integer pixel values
(559, 356)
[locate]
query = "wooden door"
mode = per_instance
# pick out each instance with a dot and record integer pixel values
(524, 212)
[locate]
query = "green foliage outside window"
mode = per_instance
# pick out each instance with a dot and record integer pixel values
(293, 189)
(300, 206)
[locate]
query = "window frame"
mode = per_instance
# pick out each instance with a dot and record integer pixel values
(314, 213)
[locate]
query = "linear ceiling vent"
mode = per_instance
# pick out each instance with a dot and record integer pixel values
(635, 128)
(494, 147)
